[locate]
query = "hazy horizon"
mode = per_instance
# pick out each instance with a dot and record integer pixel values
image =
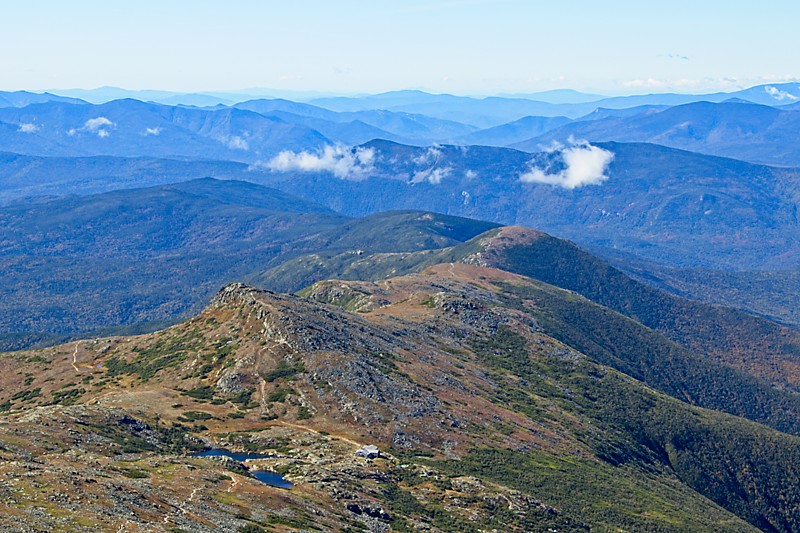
(444, 46)
(310, 94)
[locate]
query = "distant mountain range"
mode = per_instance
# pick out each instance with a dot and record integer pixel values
(750, 132)
(23, 176)
(364, 125)
(251, 131)
(661, 203)
(512, 133)
(557, 96)
(256, 130)
(25, 98)
(493, 111)
(101, 95)
(134, 128)
(768, 94)
(481, 112)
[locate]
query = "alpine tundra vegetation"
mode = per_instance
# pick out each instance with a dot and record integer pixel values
(443, 266)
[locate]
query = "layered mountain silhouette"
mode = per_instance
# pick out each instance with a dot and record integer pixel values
(276, 285)
(25, 98)
(134, 128)
(660, 203)
(493, 111)
(746, 131)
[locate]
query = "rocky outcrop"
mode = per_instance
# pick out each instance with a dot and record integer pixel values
(496, 241)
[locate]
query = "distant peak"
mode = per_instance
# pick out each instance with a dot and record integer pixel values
(237, 293)
(737, 101)
(494, 242)
(507, 236)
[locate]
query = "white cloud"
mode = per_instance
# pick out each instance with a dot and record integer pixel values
(431, 175)
(712, 84)
(429, 156)
(342, 161)
(97, 125)
(584, 164)
(234, 142)
(555, 146)
(772, 78)
(152, 131)
(777, 94)
(28, 127)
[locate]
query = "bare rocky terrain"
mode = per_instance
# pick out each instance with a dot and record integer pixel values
(485, 421)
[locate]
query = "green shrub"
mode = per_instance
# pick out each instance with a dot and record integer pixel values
(203, 392)
(279, 395)
(67, 397)
(27, 395)
(285, 371)
(192, 416)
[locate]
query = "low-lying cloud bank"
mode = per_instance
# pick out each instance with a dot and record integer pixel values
(584, 164)
(429, 156)
(100, 126)
(434, 176)
(778, 94)
(28, 127)
(342, 161)
(234, 142)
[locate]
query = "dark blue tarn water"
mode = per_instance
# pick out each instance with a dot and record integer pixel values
(236, 456)
(264, 476)
(271, 478)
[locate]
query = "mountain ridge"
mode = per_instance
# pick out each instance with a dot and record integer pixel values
(752, 345)
(746, 131)
(70, 263)
(505, 413)
(661, 203)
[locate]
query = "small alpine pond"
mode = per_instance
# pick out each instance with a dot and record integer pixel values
(264, 476)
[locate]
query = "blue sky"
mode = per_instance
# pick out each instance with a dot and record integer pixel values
(349, 46)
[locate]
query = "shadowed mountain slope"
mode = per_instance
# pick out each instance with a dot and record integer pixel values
(75, 264)
(750, 344)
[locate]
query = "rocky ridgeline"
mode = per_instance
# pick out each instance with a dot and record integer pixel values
(488, 422)
(347, 361)
(494, 242)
